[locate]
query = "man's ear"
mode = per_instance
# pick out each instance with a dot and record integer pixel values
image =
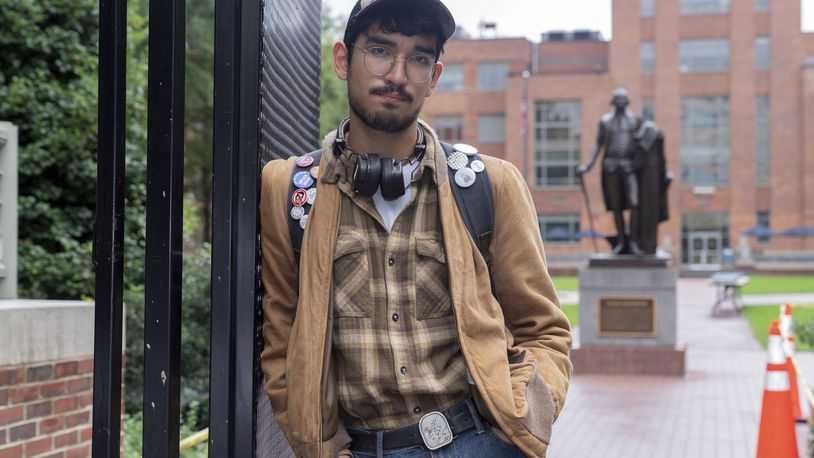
(341, 60)
(439, 68)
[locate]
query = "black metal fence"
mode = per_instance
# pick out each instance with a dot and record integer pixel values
(266, 106)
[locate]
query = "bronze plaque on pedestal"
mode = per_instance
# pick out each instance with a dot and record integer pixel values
(627, 316)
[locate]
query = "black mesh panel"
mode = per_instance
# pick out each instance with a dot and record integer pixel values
(289, 80)
(289, 125)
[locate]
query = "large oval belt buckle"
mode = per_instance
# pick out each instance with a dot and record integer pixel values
(435, 430)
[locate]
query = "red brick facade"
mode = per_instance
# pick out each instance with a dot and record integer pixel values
(588, 71)
(45, 409)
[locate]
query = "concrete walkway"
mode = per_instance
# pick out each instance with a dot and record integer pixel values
(714, 411)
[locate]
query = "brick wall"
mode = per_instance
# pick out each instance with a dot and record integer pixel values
(45, 409)
(46, 379)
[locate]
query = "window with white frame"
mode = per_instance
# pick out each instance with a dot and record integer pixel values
(647, 57)
(647, 8)
(452, 78)
(763, 158)
(704, 55)
(705, 141)
(449, 128)
(764, 220)
(703, 6)
(559, 227)
(648, 109)
(492, 76)
(763, 53)
(492, 128)
(557, 133)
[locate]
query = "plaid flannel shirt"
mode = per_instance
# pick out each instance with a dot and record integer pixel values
(395, 341)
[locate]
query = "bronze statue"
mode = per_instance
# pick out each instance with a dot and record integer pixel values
(634, 176)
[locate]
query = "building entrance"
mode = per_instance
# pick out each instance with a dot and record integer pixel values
(705, 249)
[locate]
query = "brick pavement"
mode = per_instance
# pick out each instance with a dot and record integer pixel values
(713, 411)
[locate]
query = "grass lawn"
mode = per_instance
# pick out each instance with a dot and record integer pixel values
(770, 284)
(572, 312)
(566, 283)
(759, 317)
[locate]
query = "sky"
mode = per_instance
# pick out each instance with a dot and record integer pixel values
(530, 18)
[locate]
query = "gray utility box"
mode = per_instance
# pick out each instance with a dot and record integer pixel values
(8, 210)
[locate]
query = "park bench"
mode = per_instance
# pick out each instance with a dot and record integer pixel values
(728, 289)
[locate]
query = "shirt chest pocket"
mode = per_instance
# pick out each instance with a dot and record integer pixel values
(431, 280)
(351, 274)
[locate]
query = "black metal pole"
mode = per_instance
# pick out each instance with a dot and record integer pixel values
(234, 227)
(108, 246)
(165, 149)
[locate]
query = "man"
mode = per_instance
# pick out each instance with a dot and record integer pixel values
(386, 338)
(622, 159)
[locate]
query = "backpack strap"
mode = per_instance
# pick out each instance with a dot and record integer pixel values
(295, 229)
(476, 204)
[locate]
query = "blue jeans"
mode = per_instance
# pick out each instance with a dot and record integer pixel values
(478, 442)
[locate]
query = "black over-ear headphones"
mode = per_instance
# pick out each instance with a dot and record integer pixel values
(372, 171)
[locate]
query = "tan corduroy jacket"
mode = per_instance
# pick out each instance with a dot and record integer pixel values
(524, 324)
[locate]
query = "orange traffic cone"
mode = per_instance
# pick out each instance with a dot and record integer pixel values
(788, 349)
(786, 322)
(776, 438)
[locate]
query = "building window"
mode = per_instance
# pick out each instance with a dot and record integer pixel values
(449, 128)
(648, 109)
(763, 220)
(763, 53)
(557, 134)
(647, 8)
(705, 141)
(703, 6)
(703, 236)
(762, 140)
(703, 56)
(452, 78)
(647, 56)
(492, 76)
(762, 5)
(559, 228)
(492, 128)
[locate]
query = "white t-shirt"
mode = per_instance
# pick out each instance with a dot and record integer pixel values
(389, 210)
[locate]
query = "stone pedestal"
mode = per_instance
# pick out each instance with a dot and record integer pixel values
(627, 316)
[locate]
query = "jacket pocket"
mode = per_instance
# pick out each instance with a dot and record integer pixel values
(530, 389)
(431, 280)
(351, 274)
(540, 416)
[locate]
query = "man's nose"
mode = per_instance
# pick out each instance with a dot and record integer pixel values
(398, 74)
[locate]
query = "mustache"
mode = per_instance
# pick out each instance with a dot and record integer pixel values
(391, 89)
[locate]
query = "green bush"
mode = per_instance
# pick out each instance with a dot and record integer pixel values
(133, 433)
(48, 89)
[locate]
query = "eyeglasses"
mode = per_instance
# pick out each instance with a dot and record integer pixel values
(380, 61)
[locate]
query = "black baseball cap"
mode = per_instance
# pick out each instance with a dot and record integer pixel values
(439, 10)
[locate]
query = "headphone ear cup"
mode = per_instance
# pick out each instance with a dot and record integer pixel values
(392, 180)
(366, 174)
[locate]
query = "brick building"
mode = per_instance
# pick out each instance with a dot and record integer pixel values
(730, 83)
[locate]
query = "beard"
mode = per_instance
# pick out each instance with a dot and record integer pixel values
(384, 120)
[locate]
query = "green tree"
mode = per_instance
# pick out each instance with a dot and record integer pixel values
(48, 89)
(198, 113)
(333, 95)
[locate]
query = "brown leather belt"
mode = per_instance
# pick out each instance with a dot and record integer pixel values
(458, 416)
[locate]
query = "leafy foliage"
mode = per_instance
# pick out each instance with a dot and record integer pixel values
(333, 95)
(133, 433)
(48, 89)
